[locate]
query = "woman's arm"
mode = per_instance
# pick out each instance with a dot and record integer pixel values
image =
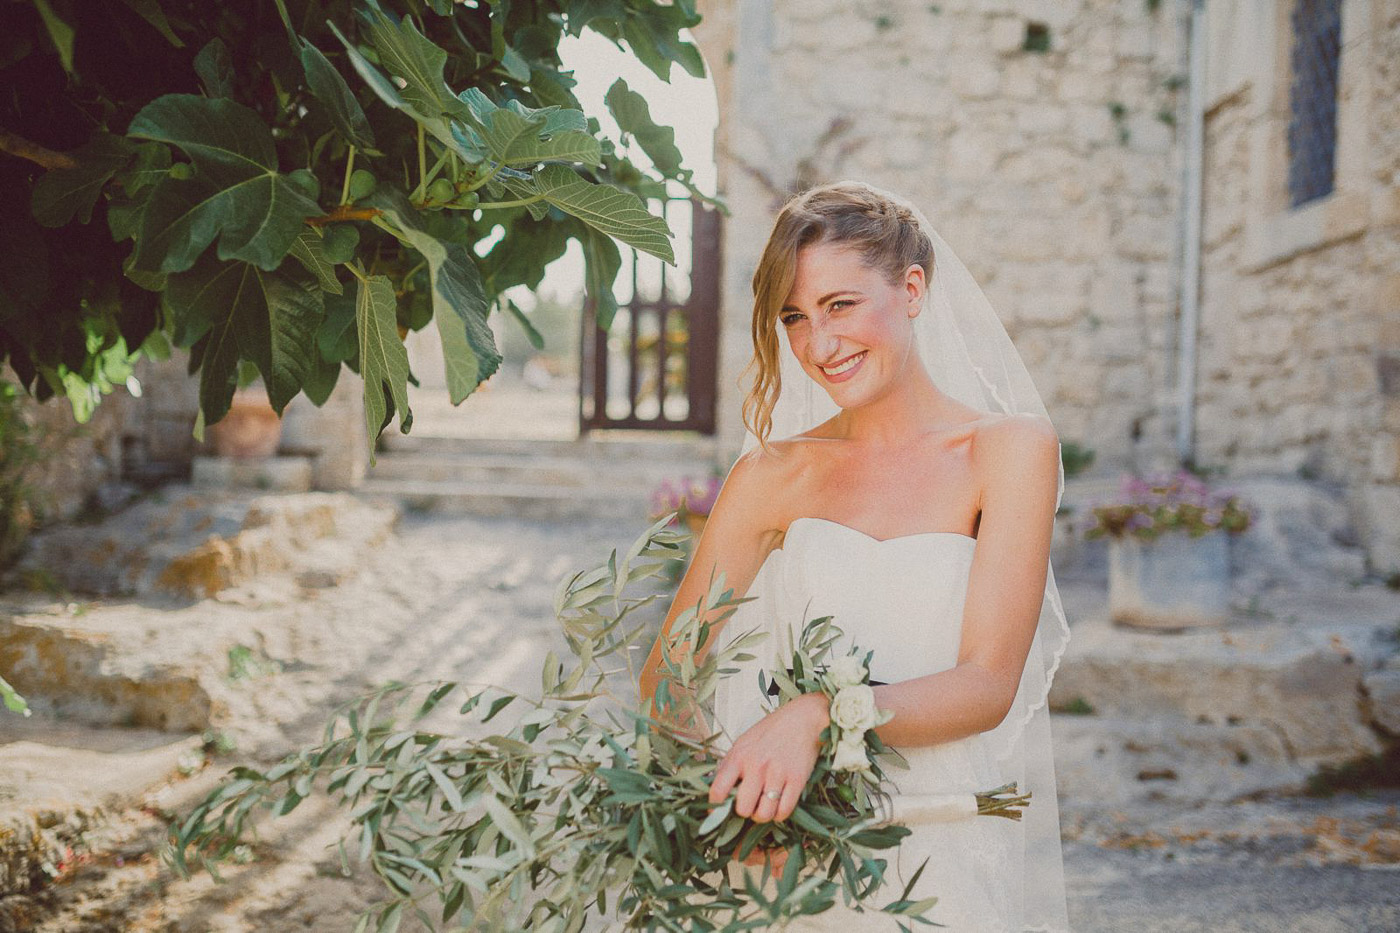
(737, 536)
(1018, 459)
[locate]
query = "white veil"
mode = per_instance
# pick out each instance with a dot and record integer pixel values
(970, 357)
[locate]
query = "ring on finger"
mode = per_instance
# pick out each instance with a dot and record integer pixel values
(772, 794)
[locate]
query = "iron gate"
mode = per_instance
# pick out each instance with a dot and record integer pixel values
(655, 367)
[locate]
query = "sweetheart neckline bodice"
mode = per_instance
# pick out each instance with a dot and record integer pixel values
(874, 540)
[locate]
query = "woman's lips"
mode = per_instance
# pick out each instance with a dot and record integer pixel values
(843, 376)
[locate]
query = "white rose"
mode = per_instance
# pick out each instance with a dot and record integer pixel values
(853, 708)
(850, 756)
(846, 671)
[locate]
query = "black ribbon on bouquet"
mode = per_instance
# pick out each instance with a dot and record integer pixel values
(774, 689)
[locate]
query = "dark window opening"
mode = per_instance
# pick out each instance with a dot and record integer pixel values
(1312, 98)
(1037, 38)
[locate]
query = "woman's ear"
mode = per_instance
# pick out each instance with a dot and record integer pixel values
(916, 286)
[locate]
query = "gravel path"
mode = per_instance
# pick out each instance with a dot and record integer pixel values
(472, 598)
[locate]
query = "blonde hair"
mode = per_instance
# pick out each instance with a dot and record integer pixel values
(884, 231)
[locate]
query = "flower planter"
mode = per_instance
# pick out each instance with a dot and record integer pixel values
(1171, 583)
(251, 430)
(695, 521)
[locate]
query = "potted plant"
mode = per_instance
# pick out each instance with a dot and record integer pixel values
(1169, 550)
(689, 498)
(252, 428)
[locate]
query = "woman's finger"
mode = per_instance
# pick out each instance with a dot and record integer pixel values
(767, 803)
(791, 791)
(746, 799)
(723, 780)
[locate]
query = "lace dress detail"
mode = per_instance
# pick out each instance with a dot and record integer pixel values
(903, 598)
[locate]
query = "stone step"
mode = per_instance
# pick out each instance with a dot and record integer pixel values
(1298, 673)
(76, 674)
(598, 446)
(532, 469)
(523, 500)
(1120, 761)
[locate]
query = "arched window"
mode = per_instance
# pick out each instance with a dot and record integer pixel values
(1312, 126)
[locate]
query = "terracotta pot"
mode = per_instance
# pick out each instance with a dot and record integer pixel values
(696, 522)
(1172, 583)
(251, 430)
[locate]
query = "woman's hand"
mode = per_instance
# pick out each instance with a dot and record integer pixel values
(777, 753)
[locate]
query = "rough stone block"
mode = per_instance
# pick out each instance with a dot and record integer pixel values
(1303, 682)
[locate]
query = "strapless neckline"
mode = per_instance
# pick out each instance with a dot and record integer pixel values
(956, 535)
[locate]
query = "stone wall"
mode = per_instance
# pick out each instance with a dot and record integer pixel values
(1300, 314)
(151, 436)
(1054, 174)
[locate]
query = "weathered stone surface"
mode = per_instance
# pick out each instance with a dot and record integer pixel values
(177, 542)
(1300, 680)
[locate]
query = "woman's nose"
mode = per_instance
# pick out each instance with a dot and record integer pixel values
(824, 343)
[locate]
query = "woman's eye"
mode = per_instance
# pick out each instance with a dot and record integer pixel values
(842, 301)
(789, 319)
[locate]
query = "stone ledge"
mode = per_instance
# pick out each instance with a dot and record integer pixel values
(280, 474)
(1302, 679)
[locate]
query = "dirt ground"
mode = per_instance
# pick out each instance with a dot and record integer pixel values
(459, 597)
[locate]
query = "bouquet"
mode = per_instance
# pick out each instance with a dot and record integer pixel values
(586, 804)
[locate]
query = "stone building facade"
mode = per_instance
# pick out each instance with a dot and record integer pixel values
(1046, 141)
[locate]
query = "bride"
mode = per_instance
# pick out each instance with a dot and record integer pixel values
(899, 474)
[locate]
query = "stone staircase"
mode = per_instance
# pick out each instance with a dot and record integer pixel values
(601, 476)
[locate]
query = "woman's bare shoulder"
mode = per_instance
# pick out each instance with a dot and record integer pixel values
(1009, 443)
(761, 478)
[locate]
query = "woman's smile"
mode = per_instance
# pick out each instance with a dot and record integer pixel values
(845, 369)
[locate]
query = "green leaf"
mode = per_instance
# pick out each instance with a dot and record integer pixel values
(336, 338)
(654, 37)
(508, 824)
(308, 250)
(633, 116)
(383, 359)
(272, 318)
(414, 59)
(460, 305)
(60, 33)
(13, 701)
(618, 213)
(449, 790)
(236, 193)
(342, 107)
(214, 66)
(152, 163)
(150, 11)
(514, 133)
(602, 261)
(62, 194)
(716, 816)
(535, 337)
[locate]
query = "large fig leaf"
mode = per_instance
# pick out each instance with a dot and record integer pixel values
(460, 304)
(513, 133)
(235, 194)
(335, 95)
(62, 194)
(242, 310)
(412, 58)
(383, 358)
(610, 210)
(633, 116)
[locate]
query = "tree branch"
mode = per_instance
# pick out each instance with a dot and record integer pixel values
(343, 213)
(34, 152)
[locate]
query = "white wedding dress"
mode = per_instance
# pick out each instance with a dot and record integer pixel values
(902, 597)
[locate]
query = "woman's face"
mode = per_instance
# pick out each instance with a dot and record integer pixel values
(851, 331)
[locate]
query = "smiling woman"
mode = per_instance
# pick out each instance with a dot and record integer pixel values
(901, 475)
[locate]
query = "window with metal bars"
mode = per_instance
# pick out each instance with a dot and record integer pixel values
(1312, 125)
